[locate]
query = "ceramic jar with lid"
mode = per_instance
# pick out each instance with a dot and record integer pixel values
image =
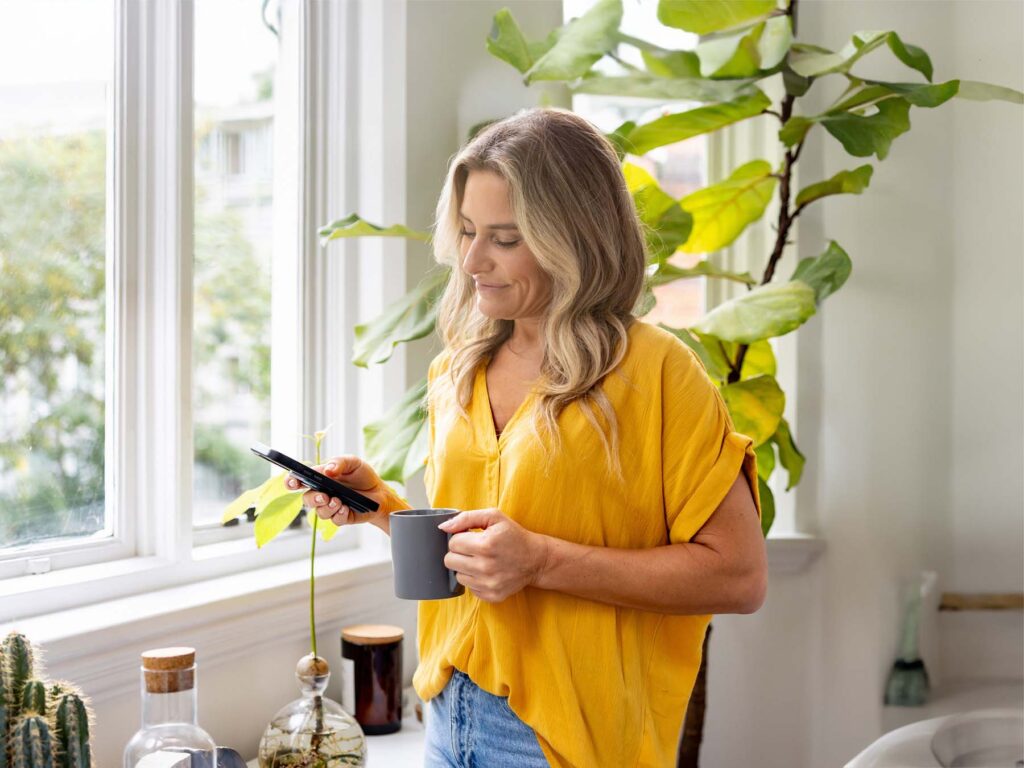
(372, 676)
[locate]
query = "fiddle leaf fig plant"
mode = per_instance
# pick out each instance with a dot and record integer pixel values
(744, 46)
(746, 50)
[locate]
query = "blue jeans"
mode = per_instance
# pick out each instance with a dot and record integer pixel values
(470, 728)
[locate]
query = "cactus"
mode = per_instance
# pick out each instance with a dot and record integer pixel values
(42, 724)
(33, 697)
(32, 746)
(72, 732)
(18, 659)
(4, 728)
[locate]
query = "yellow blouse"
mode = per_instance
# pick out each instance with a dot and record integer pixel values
(600, 685)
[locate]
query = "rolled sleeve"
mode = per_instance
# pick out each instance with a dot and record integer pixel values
(702, 453)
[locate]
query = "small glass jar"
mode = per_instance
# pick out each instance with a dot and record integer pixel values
(169, 712)
(314, 731)
(372, 676)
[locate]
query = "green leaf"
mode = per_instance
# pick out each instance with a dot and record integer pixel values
(581, 43)
(796, 85)
(353, 226)
(619, 138)
(241, 505)
(794, 130)
(668, 233)
(684, 125)
(863, 136)
(671, 63)
(759, 360)
(765, 460)
(325, 528)
(814, 62)
(767, 506)
(911, 55)
(975, 91)
(766, 312)
(825, 273)
(711, 363)
(669, 273)
(506, 41)
(723, 210)
(775, 41)
(663, 88)
(756, 406)
(734, 55)
(845, 182)
(705, 16)
(789, 455)
(276, 515)
(652, 202)
(646, 302)
(392, 441)
(919, 94)
(410, 317)
(666, 224)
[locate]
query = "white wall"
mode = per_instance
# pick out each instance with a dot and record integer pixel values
(910, 405)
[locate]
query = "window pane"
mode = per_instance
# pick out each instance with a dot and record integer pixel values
(679, 168)
(56, 61)
(235, 62)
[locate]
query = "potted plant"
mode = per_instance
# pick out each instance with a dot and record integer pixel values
(312, 731)
(743, 45)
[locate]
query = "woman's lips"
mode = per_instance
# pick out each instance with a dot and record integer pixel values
(485, 287)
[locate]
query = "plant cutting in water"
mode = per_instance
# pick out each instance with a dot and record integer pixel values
(311, 732)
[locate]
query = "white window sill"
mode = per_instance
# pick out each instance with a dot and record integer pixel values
(793, 552)
(24, 597)
(211, 614)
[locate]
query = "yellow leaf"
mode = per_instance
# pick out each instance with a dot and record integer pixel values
(723, 210)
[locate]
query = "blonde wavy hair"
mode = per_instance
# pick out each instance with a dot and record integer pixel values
(576, 215)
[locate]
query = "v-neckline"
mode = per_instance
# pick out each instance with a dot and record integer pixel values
(491, 430)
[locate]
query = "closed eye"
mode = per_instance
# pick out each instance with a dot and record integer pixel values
(500, 243)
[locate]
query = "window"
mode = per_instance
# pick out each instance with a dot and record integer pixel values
(175, 160)
(679, 168)
(235, 66)
(55, 88)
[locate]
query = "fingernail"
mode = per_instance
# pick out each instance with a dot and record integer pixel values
(320, 499)
(331, 467)
(445, 524)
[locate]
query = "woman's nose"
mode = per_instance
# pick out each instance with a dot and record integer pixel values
(475, 259)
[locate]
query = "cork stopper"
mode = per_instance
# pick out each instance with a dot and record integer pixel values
(169, 670)
(372, 634)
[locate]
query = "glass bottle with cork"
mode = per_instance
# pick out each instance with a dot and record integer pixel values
(170, 736)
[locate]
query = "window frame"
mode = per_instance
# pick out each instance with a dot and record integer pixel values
(337, 163)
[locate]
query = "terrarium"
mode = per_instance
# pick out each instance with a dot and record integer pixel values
(313, 731)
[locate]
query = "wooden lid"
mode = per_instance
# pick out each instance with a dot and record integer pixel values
(372, 634)
(169, 670)
(169, 658)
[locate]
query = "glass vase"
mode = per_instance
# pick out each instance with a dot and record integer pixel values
(313, 731)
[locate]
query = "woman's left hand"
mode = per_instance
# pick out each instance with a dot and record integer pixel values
(497, 561)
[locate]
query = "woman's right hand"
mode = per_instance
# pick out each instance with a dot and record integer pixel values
(354, 473)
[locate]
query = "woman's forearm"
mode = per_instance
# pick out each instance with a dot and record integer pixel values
(677, 578)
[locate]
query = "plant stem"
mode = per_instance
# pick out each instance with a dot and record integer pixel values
(786, 217)
(312, 592)
(312, 572)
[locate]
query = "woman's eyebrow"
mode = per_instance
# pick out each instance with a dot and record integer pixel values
(490, 226)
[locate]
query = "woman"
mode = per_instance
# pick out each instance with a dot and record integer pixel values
(610, 505)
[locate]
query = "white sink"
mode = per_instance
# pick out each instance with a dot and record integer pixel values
(987, 738)
(976, 738)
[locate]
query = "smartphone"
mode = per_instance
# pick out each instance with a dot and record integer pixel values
(316, 480)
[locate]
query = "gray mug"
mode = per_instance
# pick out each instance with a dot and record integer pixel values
(418, 548)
